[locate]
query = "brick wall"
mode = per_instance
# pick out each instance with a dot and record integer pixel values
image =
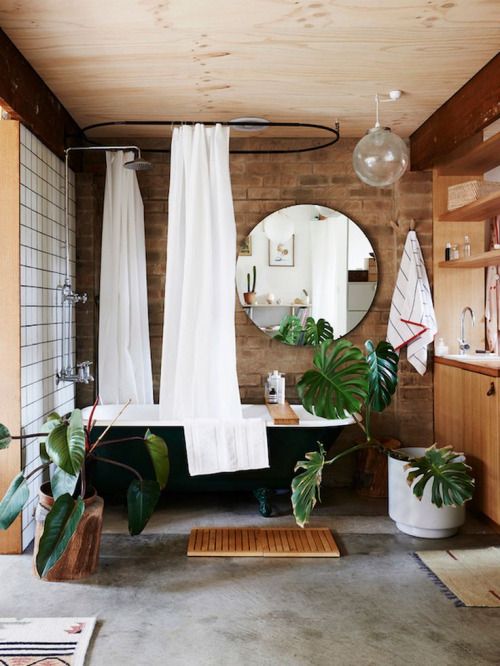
(262, 184)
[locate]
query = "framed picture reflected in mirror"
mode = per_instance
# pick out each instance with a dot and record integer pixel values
(282, 254)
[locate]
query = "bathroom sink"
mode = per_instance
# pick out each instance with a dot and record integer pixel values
(483, 359)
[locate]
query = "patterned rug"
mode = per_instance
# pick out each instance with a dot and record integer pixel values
(469, 577)
(60, 641)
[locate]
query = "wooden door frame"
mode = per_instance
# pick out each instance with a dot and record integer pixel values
(10, 332)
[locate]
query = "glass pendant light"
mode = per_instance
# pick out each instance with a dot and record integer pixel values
(381, 157)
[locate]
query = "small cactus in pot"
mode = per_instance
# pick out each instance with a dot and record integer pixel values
(250, 295)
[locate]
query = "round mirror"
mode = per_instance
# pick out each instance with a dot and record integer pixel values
(306, 273)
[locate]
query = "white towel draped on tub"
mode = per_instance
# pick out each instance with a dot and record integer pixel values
(412, 321)
(215, 445)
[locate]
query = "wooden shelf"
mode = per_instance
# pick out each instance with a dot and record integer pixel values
(482, 157)
(276, 305)
(491, 258)
(477, 211)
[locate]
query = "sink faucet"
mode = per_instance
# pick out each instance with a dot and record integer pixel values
(463, 345)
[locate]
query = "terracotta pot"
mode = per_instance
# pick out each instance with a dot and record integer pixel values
(81, 557)
(250, 297)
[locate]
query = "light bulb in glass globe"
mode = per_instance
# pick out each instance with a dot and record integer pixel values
(380, 158)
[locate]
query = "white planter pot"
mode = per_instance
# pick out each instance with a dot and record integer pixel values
(419, 518)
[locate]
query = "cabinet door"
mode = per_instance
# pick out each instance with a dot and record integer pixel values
(481, 439)
(466, 417)
(448, 406)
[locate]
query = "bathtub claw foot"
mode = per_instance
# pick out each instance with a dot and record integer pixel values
(264, 497)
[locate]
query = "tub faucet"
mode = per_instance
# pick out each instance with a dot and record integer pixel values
(463, 345)
(79, 375)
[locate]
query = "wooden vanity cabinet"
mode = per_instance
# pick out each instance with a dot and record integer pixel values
(466, 416)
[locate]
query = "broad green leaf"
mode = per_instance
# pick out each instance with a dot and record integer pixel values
(317, 332)
(14, 499)
(158, 452)
(66, 444)
(142, 497)
(338, 384)
(383, 374)
(5, 438)
(60, 525)
(53, 420)
(452, 483)
(62, 483)
(306, 486)
(290, 331)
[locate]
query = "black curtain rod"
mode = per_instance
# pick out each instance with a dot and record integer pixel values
(232, 123)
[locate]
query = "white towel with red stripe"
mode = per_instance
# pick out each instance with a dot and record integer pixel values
(412, 322)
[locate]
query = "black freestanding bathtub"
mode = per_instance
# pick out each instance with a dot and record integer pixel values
(287, 445)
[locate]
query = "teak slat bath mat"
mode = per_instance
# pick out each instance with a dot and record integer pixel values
(262, 542)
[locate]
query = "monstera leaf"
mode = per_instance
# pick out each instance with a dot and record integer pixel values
(452, 484)
(290, 331)
(338, 384)
(383, 374)
(306, 486)
(317, 332)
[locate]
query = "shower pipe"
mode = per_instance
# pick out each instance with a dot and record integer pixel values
(230, 123)
(69, 298)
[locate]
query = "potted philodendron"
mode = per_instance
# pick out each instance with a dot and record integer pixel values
(344, 380)
(250, 295)
(69, 515)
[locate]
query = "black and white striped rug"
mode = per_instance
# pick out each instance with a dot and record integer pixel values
(61, 641)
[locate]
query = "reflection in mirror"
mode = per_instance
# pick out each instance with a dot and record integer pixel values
(306, 273)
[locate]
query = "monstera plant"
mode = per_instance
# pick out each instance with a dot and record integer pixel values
(346, 381)
(312, 333)
(66, 447)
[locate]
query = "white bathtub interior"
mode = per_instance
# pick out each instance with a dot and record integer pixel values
(146, 415)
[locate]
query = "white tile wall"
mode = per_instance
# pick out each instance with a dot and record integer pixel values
(42, 271)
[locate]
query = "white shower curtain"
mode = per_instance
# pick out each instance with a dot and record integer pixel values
(329, 271)
(198, 375)
(124, 349)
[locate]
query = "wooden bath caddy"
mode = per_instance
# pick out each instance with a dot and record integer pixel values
(282, 414)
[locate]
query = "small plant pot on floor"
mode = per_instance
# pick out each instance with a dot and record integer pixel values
(81, 557)
(420, 518)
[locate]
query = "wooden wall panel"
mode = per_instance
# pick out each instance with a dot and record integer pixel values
(10, 343)
(456, 288)
(472, 108)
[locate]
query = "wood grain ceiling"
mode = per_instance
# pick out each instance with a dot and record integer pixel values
(288, 60)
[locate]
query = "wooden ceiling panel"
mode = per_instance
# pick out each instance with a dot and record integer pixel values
(285, 60)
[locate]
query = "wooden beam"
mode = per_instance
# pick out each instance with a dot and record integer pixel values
(10, 343)
(469, 110)
(27, 97)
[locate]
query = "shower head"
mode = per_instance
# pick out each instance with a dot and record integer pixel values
(138, 164)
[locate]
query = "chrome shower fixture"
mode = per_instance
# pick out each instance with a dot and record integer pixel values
(80, 374)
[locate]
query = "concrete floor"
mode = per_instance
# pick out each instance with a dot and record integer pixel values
(372, 607)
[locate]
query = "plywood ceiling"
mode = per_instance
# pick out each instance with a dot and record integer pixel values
(286, 60)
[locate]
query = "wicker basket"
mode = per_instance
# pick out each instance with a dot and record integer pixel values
(465, 193)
